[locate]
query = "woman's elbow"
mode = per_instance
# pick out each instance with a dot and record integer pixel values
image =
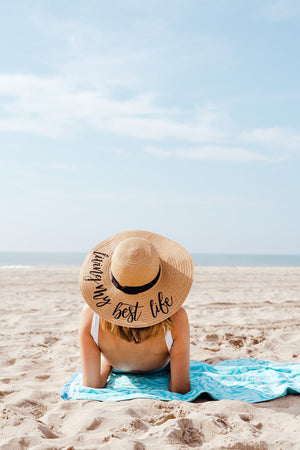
(93, 385)
(181, 389)
(92, 382)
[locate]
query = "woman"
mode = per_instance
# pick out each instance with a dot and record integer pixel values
(134, 284)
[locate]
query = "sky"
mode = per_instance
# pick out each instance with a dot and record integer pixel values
(179, 117)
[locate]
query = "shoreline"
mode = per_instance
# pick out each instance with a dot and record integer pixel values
(77, 267)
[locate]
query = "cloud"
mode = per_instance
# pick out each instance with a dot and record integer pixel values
(59, 107)
(200, 126)
(281, 144)
(104, 53)
(156, 198)
(255, 145)
(281, 10)
(217, 153)
(97, 87)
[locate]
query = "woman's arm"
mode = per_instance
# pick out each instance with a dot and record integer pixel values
(180, 354)
(90, 353)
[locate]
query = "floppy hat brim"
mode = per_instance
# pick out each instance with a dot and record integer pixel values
(146, 308)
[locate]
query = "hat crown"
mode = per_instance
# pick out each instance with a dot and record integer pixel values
(135, 262)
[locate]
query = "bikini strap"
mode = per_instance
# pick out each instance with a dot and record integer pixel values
(95, 328)
(169, 339)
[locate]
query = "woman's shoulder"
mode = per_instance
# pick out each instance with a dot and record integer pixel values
(180, 316)
(86, 317)
(181, 322)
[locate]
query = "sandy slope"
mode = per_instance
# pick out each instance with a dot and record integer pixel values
(234, 313)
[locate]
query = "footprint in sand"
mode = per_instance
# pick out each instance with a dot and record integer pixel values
(46, 432)
(257, 340)
(162, 419)
(184, 432)
(96, 422)
(212, 338)
(42, 377)
(235, 341)
(256, 428)
(4, 393)
(26, 406)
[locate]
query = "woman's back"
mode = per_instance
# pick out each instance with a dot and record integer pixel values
(151, 354)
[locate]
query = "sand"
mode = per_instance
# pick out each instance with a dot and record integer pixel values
(234, 313)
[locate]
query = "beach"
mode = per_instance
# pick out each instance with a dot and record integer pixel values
(234, 312)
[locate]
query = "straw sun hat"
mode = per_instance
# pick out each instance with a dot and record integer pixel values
(136, 278)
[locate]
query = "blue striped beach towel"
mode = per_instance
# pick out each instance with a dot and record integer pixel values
(250, 380)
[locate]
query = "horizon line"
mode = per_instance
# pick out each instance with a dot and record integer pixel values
(192, 253)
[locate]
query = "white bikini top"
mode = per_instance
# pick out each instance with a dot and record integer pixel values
(95, 332)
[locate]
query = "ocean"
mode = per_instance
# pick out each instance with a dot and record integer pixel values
(58, 259)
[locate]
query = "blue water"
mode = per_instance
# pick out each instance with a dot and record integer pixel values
(41, 259)
(47, 259)
(246, 260)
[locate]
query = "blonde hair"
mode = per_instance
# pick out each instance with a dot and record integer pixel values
(136, 335)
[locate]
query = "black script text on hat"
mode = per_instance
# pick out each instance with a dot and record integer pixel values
(162, 305)
(127, 311)
(96, 272)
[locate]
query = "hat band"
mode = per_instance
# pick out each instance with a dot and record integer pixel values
(132, 290)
